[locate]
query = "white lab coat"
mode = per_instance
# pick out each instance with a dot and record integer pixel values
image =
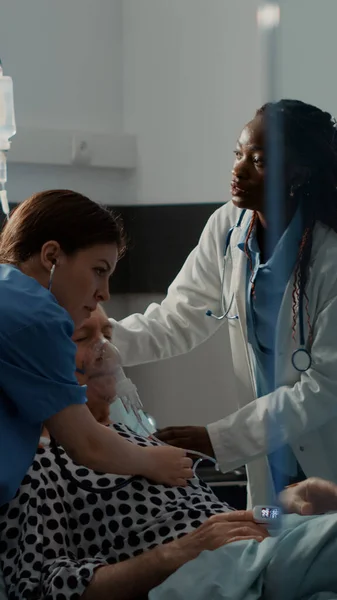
(304, 406)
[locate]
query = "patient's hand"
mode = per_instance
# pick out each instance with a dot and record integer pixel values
(216, 532)
(165, 464)
(314, 496)
(191, 438)
(135, 578)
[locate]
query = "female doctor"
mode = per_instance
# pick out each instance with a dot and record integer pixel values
(280, 307)
(57, 252)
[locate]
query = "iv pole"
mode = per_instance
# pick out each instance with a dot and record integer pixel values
(269, 21)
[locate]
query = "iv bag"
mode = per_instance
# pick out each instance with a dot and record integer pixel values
(7, 116)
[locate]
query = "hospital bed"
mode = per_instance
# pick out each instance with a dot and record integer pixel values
(230, 487)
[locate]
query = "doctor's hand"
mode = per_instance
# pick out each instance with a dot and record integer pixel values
(314, 496)
(190, 438)
(164, 464)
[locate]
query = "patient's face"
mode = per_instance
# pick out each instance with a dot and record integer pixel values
(97, 375)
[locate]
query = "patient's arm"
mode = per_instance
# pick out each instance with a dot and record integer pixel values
(102, 449)
(134, 578)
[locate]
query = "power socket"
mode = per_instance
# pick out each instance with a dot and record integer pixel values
(81, 149)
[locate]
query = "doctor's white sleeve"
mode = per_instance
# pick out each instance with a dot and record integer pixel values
(281, 417)
(179, 323)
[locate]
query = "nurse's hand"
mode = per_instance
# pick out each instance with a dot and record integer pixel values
(190, 438)
(314, 496)
(164, 464)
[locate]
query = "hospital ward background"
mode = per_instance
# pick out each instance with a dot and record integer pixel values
(145, 107)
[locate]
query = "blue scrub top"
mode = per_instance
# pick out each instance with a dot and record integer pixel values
(37, 371)
(270, 281)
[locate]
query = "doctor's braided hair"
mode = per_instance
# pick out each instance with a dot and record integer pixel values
(310, 139)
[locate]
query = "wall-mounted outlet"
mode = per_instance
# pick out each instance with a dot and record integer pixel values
(81, 149)
(69, 148)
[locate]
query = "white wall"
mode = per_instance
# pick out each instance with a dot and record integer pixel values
(65, 58)
(181, 74)
(309, 52)
(191, 80)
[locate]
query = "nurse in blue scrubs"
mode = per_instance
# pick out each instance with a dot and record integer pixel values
(57, 252)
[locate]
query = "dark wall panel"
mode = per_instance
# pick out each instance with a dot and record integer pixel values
(161, 237)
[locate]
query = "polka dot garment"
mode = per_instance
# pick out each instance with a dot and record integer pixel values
(54, 533)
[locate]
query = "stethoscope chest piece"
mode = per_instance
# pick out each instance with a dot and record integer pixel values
(301, 360)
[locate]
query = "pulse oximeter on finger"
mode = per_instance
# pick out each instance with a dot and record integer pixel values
(267, 515)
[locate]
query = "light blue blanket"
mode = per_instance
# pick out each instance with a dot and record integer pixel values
(300, 563)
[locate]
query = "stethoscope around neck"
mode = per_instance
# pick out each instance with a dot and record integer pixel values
(301, 358)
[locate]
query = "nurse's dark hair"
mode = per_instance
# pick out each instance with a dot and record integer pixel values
(67, 217)
(310, 141)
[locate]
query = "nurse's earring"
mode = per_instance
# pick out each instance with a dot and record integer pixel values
(51, 275)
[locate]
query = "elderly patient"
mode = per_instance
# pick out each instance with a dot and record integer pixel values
(74, 533)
